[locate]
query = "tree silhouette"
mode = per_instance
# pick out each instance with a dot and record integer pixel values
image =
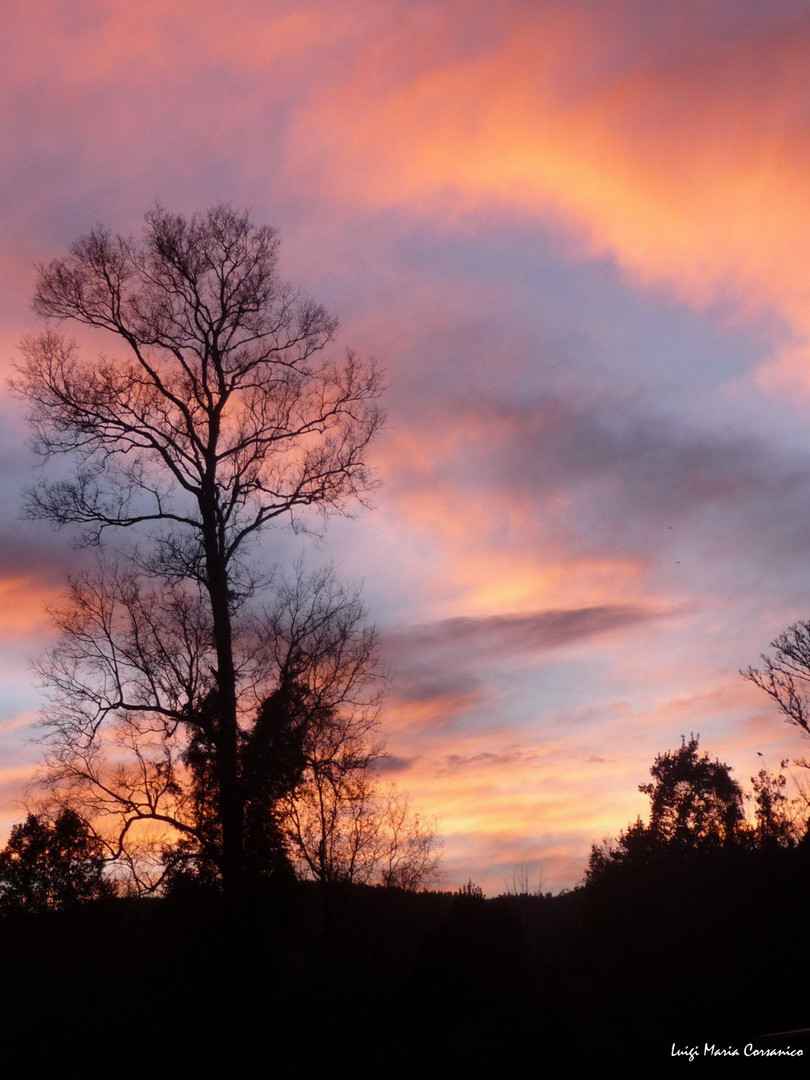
(221, 417)
(695, 806)
(344, 827)
(693, 800)
(785, 676)
(52, 865)
(775, 824)
(271, 764)
(313, 801)
(135, 707)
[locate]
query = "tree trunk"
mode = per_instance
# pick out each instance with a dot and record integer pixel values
(231, 801)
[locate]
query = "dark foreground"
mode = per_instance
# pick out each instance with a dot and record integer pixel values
(643, 972)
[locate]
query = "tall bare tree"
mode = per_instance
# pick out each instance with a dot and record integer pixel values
(221, 416)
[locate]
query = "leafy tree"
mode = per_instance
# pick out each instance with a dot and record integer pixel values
(271, 766)
(693, 800)
(635, 847)
(52, 865)
(221, 417)
(695, 806)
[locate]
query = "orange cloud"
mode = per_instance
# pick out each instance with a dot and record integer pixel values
(679, 148)
(687, 160)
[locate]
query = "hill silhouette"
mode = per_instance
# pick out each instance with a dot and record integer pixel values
(631, 970)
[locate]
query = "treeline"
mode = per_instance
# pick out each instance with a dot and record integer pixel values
(687, 931)
(318, 977)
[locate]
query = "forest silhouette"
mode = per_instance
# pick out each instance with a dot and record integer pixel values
(666, 946)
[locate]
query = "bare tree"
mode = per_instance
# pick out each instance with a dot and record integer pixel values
(132, 720)
(221, 417)
(331, 821)
(128, 681)
(780, 819)
(785, 676)
(410, 849)
(344, 827)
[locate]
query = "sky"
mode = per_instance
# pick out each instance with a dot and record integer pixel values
(575, 238)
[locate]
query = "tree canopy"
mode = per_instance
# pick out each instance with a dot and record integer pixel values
(695, 806)
(52, 865)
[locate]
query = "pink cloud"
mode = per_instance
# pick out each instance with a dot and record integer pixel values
(686, 159)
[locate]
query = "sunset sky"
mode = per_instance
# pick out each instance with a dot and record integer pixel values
(577, 238)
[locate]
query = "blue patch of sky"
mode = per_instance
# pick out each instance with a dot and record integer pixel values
(561, 310)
